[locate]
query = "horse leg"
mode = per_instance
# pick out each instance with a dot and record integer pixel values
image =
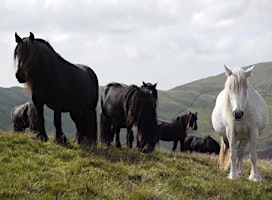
(105, 128)
(91, 125)
(60, 137)
(117, 137)
(233, 154)
(40, 121)
(175, 145)
(254, 174)
(240, 154)
(77, 118)
(130, 137)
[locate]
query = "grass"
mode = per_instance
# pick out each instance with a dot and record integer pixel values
(32, 169)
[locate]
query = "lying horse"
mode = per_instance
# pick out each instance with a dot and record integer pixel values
(24, 116)
(115, 130)
(239, 116)
(177, 129)
(129, 107)
(62, 86)
(201, 144)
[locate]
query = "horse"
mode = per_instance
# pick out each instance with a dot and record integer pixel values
(201, 144)
(62, 86)
(239, 116)
(129, 107)
(177, 129)
(115, 130)
(24, 116)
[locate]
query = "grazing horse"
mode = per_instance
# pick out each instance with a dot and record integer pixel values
(115, 130)
(177, 129)
(240, 113)
(123, 106)
(62, 86)
(24, 116)
(201, 144)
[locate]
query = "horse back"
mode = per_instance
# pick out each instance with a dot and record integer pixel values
(77, 88)
(169, 131)
(112, 102)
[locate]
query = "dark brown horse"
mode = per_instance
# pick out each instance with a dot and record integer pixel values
(62, 86)
(201, 144)
(24, 116)
(115, 130)
(123, 106)
(177, 129)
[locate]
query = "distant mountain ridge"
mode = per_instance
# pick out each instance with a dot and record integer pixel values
(198, 96)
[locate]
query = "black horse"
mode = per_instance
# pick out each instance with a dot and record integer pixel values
(24, 116)
(62, 86)
(201, 144)
(123, 106)
(177, 129)
(115, 129)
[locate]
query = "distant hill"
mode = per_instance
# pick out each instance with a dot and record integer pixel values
(198, 96)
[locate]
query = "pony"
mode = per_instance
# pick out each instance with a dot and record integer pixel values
(239, 116)
(62, 86)
(115, 130)
(201, 144)
(129, 107)
(177, 129)
(24, 116)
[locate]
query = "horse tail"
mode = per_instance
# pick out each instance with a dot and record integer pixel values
(224, 155)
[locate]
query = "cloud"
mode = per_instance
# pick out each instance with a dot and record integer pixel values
(170, 42)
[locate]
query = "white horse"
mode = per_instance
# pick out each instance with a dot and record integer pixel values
(240, 113)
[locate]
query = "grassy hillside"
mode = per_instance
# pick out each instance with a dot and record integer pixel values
(32, 169)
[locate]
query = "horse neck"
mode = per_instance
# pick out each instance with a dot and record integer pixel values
(186, 122)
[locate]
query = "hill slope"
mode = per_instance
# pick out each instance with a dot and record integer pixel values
(32, 169)
(198, 96)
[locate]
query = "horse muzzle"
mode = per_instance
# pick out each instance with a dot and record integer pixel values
(20, 77)
(237, 114)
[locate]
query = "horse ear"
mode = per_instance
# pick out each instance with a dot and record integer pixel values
(249, 71)
(227, 71)
(155, 85)
(144, 84)
(17, 38)
(196, 114)
(31, 36)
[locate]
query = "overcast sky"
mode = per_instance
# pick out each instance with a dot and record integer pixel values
(171, 42)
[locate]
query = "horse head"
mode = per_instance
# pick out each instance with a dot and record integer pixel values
(193, 121)
(236, 86)
(151, 89)
(22, 56)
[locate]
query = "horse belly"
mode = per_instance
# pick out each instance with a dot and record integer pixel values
(168, 134)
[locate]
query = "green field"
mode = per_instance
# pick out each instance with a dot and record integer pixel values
(31, 169)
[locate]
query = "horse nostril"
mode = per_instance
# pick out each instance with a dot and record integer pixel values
(237, 114)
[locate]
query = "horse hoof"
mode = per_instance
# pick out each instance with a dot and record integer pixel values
(41, 137)
(255, 177)
(62, 141)
(118, 145)
(233, 176)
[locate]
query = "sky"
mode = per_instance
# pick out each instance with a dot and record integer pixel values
(171, 42)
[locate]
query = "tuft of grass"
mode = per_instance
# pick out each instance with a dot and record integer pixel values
(32, 169)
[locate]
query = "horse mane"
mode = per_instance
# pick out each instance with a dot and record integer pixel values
(233, 82)
(32, 46)
(137, 103)
(236, 79)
